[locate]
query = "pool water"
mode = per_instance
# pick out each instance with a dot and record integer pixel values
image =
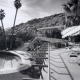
(8, 60)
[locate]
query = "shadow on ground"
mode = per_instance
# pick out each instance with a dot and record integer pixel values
(32, 72)
(28, 73)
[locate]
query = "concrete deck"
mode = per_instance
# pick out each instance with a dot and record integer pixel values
(73, 67)
(61, 67)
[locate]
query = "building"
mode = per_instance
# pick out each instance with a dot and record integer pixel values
(72, 33)
(52, 32)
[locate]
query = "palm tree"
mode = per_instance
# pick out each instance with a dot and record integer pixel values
(17, 5)
(2, 15)
(72, 12)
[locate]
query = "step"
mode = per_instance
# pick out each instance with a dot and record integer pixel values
(60, 77)
(74, 69)
(14, 63)
(31, 79)
(1, 62)
(7, 64)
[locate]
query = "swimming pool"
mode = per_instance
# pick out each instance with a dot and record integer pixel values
(11, 61)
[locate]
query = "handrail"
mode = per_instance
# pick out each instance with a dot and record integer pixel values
(49, 61)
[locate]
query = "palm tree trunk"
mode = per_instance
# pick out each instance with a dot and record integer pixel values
(4, 34)
(13, 29)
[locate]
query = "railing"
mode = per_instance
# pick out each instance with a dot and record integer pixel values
(39, 56)
(49, 61)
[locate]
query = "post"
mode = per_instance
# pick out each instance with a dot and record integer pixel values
(48, 61)
(13, 29)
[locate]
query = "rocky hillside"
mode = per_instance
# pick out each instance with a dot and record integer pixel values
(26, 32)
(32, 25)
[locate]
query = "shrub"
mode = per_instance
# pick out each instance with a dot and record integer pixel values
(34, 44)
(2, 43)
(25, 36)
(16, 42)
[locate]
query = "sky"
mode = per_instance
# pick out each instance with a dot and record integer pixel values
(30, 9)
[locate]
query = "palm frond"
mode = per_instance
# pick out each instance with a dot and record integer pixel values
(17, 4)
(74, 1)
(66, 8)
(2, 14)
(69, 4)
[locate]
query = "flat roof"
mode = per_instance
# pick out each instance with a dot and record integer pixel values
(45, 28)
(53, 40)
(71, 32)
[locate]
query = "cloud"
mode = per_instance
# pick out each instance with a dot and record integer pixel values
(49, 7)
(30, 9)
(9, 9)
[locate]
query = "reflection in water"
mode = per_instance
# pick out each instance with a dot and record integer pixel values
(8, 60)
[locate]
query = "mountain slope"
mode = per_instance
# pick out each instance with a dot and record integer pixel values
(32, 25)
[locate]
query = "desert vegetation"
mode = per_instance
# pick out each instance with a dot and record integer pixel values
(72, 13)
(28, 31)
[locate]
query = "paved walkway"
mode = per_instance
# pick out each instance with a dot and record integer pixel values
(60, 66)
(72, 66)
